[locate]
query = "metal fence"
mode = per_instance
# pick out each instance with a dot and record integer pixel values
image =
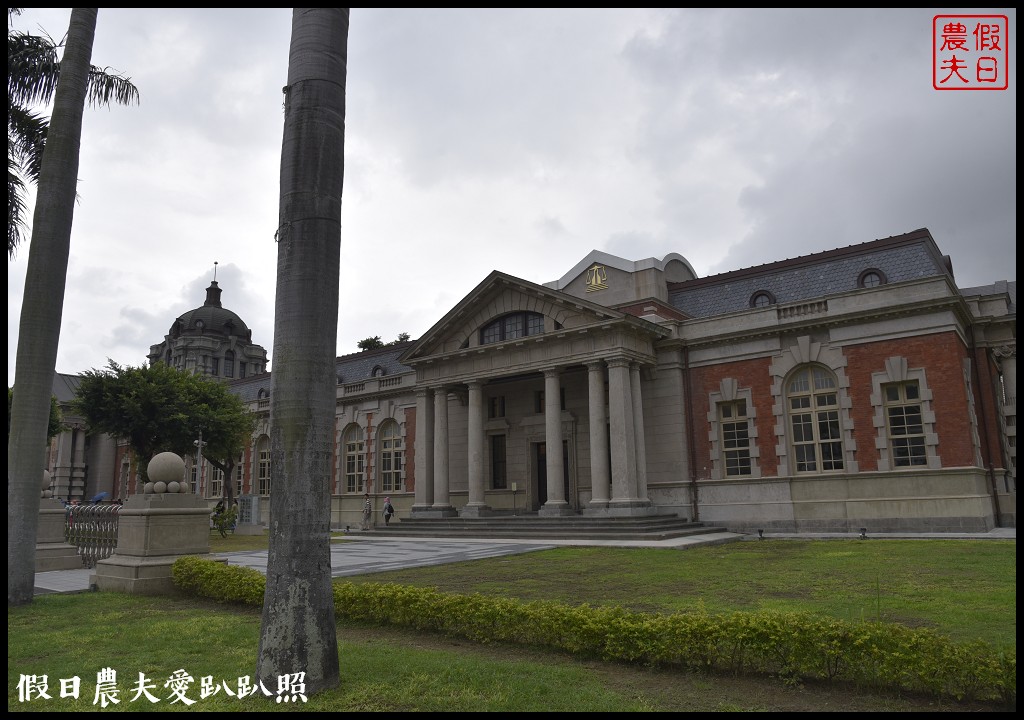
(92, 529)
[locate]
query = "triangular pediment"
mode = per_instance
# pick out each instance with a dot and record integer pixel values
(501, 295)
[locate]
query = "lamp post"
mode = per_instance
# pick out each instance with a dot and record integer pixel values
(199, 463)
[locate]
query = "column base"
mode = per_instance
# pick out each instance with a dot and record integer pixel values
(435, 512)
(631, 508)
(249, 529)
(476, 511)
(561, 509)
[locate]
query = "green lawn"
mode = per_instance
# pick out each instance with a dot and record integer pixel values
(963, 588)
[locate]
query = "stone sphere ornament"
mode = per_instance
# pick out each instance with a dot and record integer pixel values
(173, 487)
(164, 468)
(46, 480)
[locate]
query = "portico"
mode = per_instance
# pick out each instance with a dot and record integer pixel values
(519, 414)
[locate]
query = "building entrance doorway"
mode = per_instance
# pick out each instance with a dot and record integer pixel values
(539, 460)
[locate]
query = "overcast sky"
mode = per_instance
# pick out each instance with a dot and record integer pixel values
(517, 140)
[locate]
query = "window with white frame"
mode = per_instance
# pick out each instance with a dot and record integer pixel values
(815, 434)
(355, 460)
(904, 423)
(216, 482)
(238, 478)
(734, 427)
(263, 468)
(391, 456)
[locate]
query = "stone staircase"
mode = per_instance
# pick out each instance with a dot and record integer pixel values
(531, 526)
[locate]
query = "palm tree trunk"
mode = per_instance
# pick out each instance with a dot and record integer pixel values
(298, 627)
(43, 306)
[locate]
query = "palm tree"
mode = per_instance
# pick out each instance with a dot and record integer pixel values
(298, 628)
(32, 72)
(43, 305)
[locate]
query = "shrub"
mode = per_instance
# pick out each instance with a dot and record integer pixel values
(789, 645)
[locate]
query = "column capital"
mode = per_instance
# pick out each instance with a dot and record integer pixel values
(619, 362)
(553, 372)
(595, 365)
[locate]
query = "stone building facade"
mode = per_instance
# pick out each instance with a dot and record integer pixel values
(855, 387)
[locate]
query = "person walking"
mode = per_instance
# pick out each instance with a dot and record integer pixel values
(389, 510)
(367, 511)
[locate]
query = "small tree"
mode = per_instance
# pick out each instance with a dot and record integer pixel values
(370, 343)
(159, 408)
(375, 343)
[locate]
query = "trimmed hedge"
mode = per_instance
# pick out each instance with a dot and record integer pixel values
(790, 645)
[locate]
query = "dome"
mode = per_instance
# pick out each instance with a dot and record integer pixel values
(212, 318)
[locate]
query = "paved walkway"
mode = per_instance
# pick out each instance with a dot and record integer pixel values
(366, 553)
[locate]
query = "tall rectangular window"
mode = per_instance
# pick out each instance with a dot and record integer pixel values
(355, 460)
(733, 423)
(499, 477)
(906, 429)
(390, 457)
(216, 482)
(496, 407)
(264, 468)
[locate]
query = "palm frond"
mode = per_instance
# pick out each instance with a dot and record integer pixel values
(17, 208)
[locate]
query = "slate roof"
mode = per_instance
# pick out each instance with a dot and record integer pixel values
(809, 277)
(348, 368)
(359, 366)
(65, 387)
(1003, 286)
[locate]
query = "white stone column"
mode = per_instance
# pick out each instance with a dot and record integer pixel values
(600, 478)
(553, 441)
(78, 463)
(62, 470)
(638, 430)
(475, 430)
(623, 435)
(441, 489)
(424, 449)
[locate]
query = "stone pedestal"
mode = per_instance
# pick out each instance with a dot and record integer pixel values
(154, 531)
(248, 521)
(52, 550)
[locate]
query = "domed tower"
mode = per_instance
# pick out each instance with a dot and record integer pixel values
(211, 340)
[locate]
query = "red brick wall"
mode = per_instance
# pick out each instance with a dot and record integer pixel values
(941, 355)
(751, 374)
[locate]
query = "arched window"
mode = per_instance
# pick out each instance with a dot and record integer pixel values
(263, 469)
(762, 298)
(812, 399)
(872, 277)
(377, 371)
(512, 326)
(392, 453)
(355, 460)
